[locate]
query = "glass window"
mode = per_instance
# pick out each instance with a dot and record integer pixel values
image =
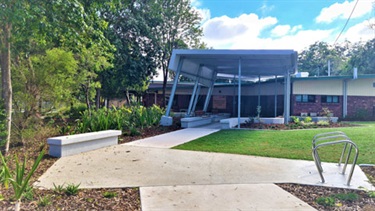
(305, 98)
(330, 99)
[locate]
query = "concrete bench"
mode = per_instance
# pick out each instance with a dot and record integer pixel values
(74, 144)
(231, 122)
(189, 122)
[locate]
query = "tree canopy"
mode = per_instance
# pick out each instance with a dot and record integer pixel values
(342, 58)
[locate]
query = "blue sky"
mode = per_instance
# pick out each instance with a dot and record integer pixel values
(283, 24)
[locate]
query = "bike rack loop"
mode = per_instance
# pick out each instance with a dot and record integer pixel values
(334, 136)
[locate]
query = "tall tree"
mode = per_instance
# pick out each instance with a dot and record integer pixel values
(363, 58)
(10, 13)
(178, 26)
(317, 57)
(134, 62)
(49, 23)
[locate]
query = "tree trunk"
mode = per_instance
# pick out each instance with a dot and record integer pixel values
(6, 79)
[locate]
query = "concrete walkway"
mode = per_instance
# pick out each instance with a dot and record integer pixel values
(186, 180)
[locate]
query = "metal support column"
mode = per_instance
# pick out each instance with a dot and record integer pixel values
(209, 94)
(175, 82)
(196, 98)
(192, 98)
(239, 92)
(287, 87)
(258, 91)
(345, 99)
(275, 95)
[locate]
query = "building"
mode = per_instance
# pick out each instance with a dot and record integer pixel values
(344, 96)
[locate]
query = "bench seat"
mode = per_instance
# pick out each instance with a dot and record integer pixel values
(74, 144)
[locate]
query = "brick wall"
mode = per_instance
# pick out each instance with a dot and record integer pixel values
(361, 105)
(315, 107)
(358, 106)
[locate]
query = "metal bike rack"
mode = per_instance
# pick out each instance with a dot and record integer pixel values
(333, 138)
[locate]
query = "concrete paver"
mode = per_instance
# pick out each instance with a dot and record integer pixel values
(174, 138)
(132, 166)
(220, 197)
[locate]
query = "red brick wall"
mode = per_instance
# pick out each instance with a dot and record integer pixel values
(358, 106)
(361, 105)
(316, 107)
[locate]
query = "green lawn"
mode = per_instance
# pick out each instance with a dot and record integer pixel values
(293, 144)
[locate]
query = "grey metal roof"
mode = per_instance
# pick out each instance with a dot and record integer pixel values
(225, 63)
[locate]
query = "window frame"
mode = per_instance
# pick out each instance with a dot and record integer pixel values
(330, 99)
(305, 98)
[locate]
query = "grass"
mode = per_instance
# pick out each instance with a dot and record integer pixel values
(291, 144)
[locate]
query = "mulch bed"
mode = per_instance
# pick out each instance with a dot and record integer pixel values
(129, 198)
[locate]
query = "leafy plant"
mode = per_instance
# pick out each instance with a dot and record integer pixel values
(72, 190)
(307, 119)
(18, 179)
(29, 193)
(371, 194)
(109, 194)
(346, 196)
(58, 188)
(326, 201)
(44, 201)
(322, 123)
(296, 120)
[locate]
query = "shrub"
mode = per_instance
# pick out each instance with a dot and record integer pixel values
(44, 201)
(108, 194)
(307, 119)
(326, 201)
(296, 120)
(71, 189)
(119, 119)
(346, 196)
(19, 179)
(322, 123)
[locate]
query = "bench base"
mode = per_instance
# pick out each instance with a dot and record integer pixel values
(189, 122)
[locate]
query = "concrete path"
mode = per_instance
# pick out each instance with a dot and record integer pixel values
(175, 138)
(187, 180)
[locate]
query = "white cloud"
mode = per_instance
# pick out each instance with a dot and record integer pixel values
(244, 32)
(298, 41)
(195, 3)
(225, 29)
(280, 30)
(343, 10)
(249, 31)
(205, 14)
(359, 32)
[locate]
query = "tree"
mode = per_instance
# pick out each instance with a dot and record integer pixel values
(134, 59)
(92, 62)
(363, 58)
(9, 14)
(178, 26)
(52, 23)
(315, 59)
(42, 80)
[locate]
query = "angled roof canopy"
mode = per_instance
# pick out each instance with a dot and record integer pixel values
(206, 64)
